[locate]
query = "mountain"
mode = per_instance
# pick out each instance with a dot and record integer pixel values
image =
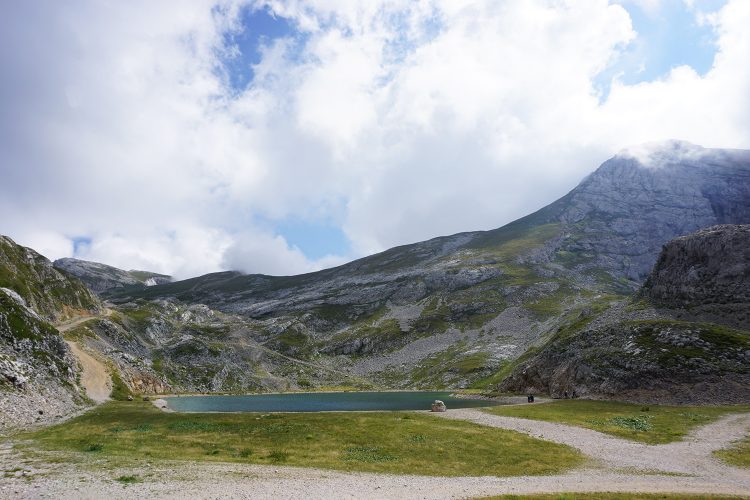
(470, 309)
(52, 294)
(460, 310)
(37, 368)
(684, 339)
(101, 277)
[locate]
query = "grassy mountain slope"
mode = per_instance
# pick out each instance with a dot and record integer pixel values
(54, 295)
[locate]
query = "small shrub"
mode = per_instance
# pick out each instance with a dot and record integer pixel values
(639, 423)
(694, 417)
(192, 425)
(94, 447)
(128, 479)
(120, 391)
(367, 454)
(245, 452)
(213, 452)
(278, 456)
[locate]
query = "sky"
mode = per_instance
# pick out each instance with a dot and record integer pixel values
(286, 136)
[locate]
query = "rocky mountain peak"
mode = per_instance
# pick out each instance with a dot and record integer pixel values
(634, 202)
(658, 154)
(101, 277)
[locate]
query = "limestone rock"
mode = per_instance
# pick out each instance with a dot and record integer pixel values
(707, 271)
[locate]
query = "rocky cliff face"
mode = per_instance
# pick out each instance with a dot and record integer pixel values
(707, 272)
(624, 212)
(668, 354)
(50, 293)
(38, 373)
(101, 277)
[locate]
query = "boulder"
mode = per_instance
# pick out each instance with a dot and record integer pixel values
(438, 406)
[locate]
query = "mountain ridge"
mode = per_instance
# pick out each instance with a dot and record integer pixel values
(453, 311)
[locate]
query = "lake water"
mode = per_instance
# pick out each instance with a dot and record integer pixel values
(321, 401)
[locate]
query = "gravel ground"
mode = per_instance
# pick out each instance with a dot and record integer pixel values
(693, 455)
(617, 465)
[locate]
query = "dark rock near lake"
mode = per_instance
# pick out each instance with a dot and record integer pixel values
(694, 349)
(706, 272)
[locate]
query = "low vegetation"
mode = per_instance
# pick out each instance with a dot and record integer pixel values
(449, 366)
(648, 424)
(738, 455)
(390, 442)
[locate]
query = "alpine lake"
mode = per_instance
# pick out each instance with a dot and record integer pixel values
(322, 401)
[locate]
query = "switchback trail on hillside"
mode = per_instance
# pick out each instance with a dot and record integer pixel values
(95, 377)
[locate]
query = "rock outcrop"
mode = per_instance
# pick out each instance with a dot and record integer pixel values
(669, 353)
(101, 277)
(50, 293)
(707, 272)
(38, 372)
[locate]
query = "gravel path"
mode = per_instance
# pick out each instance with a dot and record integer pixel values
(693, 455)
(95, 377)
(615, 472)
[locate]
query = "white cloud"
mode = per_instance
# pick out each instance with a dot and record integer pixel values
(404, 120)
(258, 252)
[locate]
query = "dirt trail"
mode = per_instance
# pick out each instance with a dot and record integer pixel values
(95, 377)
(72, 323)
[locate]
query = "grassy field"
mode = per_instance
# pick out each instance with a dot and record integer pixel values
(392, 442)
(614, 496)
(738, 455)
(646, 423)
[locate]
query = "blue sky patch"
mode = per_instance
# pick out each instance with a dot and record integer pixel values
(258, 28)
(666, 38)
(315, 238)
(80, 244)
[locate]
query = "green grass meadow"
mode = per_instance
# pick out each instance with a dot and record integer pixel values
(645, 423)
(388, 442)
(738, 455)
